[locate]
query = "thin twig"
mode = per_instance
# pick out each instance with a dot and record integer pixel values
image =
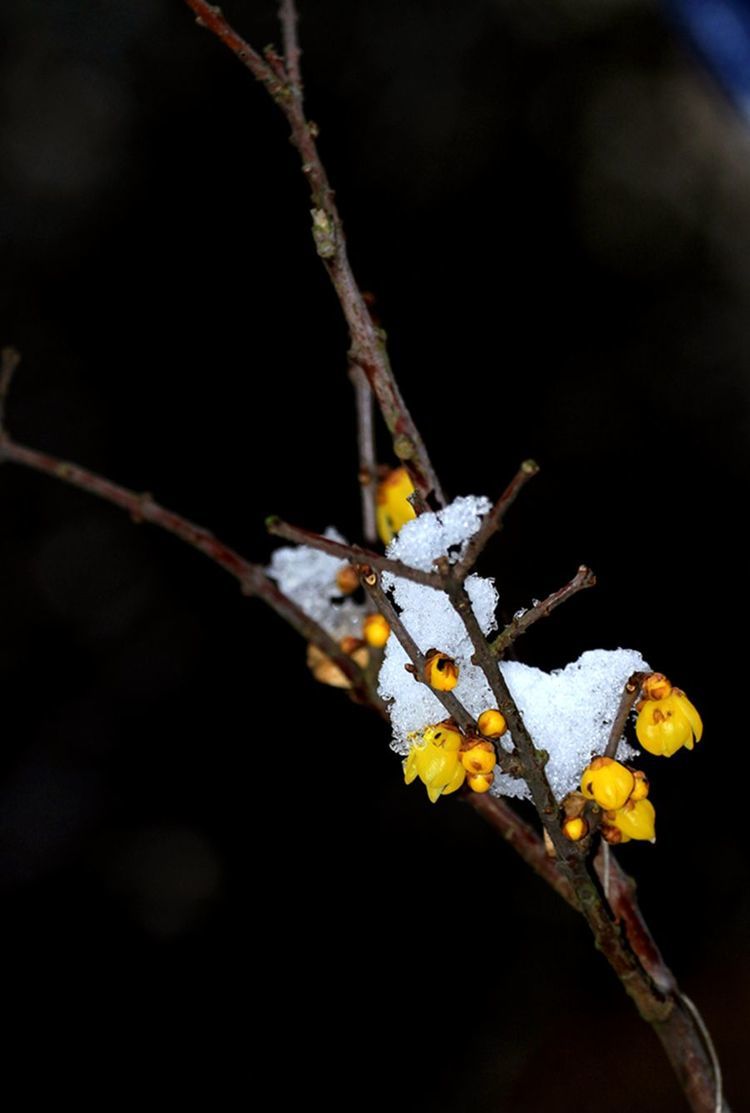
(622, 901)
(531, 759)
(629, 696)
(9, 361)
(418, 503)
(354, 553)
(367, 343)
(456, 710)
(709, 1045)
(583, 579)
(288, 19)
(368, 464)
(493, 521)
(206, 15)
(142, 507)
(592, 812)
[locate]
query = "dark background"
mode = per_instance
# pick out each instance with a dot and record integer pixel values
(552, 205)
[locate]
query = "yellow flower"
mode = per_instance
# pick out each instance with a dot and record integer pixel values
(665, 725)
(641, 790)
(480, 782)
(575, 828)
(392, 508)
(479, 758)
(635, 821)
(440, 671)
(436, 760)
(608, 782)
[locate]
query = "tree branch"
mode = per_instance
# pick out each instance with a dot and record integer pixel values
(142, 507)
(583, 579)
(456, 710)
(367, 343)
(524, 840)
(629, 696)
(9, 361)
(368, 464)
(290, 43)
(492, 523)
(206, 15)
(354, 553)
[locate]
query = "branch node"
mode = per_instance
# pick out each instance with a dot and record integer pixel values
(404, 447)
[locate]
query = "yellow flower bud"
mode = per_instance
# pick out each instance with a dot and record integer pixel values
(607, 782)
(392, 508)
(479, 758)
(575, 828)
(656, 686)
(375, 630)
(640, 792)
(492, 723)
(663, 726)
(479, 782)
(635, 821)
(440, 671)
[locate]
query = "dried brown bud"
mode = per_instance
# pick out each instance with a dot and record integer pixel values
(656, 686)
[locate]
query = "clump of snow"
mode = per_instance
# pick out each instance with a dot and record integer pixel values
(568, 712)
(422, 540)
(432, 621)
(308, 577)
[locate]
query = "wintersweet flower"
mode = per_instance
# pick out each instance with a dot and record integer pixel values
(637, 820)
(392, 506)
(440, 671)
(666, 725)
(608, 782)
(435, 758)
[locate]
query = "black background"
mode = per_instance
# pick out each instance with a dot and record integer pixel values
(551, 205)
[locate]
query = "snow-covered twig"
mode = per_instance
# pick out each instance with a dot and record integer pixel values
(456, 710)
(532, 760)
(352, 552)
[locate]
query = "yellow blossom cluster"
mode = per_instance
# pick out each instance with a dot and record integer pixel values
(622, 794)
(444, 758)
(666, 722)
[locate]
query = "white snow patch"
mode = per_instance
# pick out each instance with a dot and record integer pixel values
(308, 577)
(568, 712)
